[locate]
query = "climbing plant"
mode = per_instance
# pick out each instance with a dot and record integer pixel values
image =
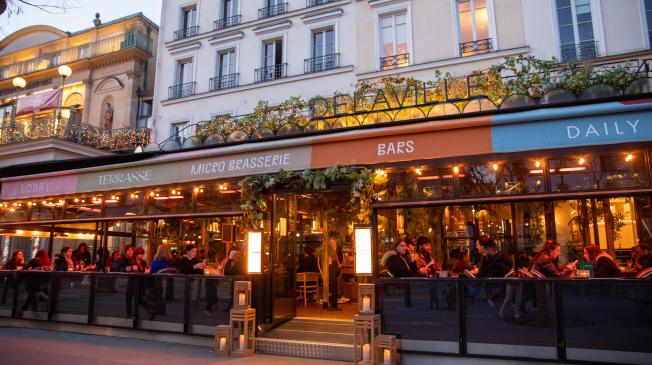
(366, 187)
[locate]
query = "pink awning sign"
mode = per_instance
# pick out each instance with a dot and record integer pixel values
(42, 101)
(30, 188)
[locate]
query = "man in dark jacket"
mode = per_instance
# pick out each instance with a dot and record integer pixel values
(234, 266)
(494, 264)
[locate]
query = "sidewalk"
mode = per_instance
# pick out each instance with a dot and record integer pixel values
(19, 346)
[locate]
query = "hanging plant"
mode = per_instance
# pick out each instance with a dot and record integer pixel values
(366, 187)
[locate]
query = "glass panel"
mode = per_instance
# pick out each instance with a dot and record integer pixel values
(564, 16)
(529, 228)
(504, 178)
(74, 235)
(481, 20)
(387, 36)
(420, 183)
(465, 21)
(571, 174)
(318, 44)
(330, 42)
(621, 170)
(169, 201)
(401, 39)
(47, 209)
(15, 211)
(85, 206)
(220, 197)
(125, 204)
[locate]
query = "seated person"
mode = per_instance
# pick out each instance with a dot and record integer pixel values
(604, 266)
(399, 262)
(547, 261)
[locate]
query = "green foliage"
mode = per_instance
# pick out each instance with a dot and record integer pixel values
(366, 186)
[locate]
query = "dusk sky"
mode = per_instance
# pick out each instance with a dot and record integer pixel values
(81, 15)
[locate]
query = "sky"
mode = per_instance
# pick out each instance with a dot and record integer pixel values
(81, 15)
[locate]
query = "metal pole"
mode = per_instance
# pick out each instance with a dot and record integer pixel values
(58, 123)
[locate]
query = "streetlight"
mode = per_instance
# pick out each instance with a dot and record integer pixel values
(64, 71)
(19, 83)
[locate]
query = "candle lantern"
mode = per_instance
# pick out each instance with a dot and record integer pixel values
(242, 332)
(366, 299)
(242, 295)
(222, 344)
(367, 328)
(386, 350)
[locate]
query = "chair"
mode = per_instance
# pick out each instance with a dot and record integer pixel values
(645, 274)
(307, 283)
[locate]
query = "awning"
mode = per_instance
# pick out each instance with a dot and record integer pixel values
(42, 101)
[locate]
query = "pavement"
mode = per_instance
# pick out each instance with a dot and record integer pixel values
(22, 346)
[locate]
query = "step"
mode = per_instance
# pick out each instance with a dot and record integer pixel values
(310, 338)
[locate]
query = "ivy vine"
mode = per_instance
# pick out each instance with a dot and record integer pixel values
(366, 186)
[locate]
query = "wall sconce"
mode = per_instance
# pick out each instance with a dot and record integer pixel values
(222, 344)
(242, 295)
(367, 328)
(386, 350)
(363, 257)
(366, 299)
(254, 252)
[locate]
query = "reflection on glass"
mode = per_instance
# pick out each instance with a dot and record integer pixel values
(125, 204)
(217, 197)
(85, 206)
(170, 200)
(15, 211)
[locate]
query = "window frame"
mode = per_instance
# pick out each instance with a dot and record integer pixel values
(388, 10)
(190, 60)
(596, 21)
(182, 9)
(491, 26)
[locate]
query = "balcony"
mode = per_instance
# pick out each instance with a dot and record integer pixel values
(71, 130)
(271, 72)
(401, 60)
(133, 39)
(476, 47)
(579, 52)
(227, 22)
(181, 90)
(224, 82)
(323, 63)
(274, 10)
(311, 3)
(186, 32)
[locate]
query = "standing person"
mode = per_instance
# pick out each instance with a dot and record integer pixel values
(399, 263)
(604, 266)
(16, 262)
(494, 264)
(426, 264)
(308, 262)
(35, 282)
(65, 262)
(547, 261)
(188, 264)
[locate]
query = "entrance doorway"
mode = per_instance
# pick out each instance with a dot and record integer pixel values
(312, 257)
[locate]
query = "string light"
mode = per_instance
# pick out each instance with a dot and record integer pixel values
(582, 161)
(629, 157)
(495, 167)
(456, 169)
(537, 163)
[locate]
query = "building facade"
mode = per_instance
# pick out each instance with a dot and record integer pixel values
(100, 105)
(223, 57)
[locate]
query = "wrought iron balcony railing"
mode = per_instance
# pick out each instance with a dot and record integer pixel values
(271, 72)
(227, 22)
(272, 10)
(71, 130)
(311, 3)
(580, 51)
(132, 39)
(186, 32)
(322, 63)
(476, 47)
(224, 82)
(390, 62)
(181, 90)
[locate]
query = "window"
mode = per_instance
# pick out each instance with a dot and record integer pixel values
(322, 53)
(473, 27)
(648, 18)
(187, 23)
(576, 37)
(272, 8)
(183, 80)
(144, 113)
(177, 131)
(225, 74)
(394, 41)
(273, 66)
(229, 14)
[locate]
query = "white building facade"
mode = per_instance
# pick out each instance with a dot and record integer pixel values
(223, 56)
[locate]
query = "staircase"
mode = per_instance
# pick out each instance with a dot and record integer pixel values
(312, 338)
